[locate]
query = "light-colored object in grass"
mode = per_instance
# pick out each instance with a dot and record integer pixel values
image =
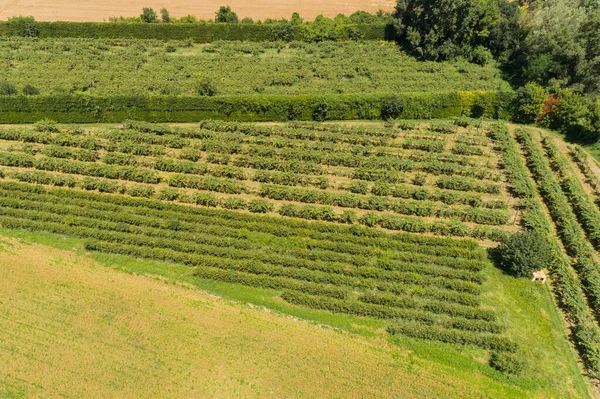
(539, 275)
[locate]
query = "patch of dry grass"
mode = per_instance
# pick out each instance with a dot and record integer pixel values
(70, 327)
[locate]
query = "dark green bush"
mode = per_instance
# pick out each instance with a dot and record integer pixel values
(260, 206)
(207, 88)
(529, 102)
(30, 90)
(392, 107)
(46, 125)
(509, 363)
(149, 15)
(523, 253)
(226, 15)
(8, 89)
(23, 26)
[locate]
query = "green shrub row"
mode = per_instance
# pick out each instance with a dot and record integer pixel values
(375, 203)
(580, 158)
(304, 131)
(358, 240)
(290, 179)
(521, 185)
(94, 109)
(448, 197)
(355, 307)
(44, 178)
(586, 211)
(199, 32)
(453, 336)
(467, 149)
(57, 139)
(436, 146)
(77, 167)
(466, 184)
(438, 307)
(207, 183)
(569, 230)
(443, 228)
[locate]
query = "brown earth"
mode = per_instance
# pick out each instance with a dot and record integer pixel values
(89, 10)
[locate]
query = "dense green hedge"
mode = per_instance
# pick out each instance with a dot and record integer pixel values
(196, 32)
(91, 109)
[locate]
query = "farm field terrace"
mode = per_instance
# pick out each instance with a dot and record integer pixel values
(319, 218)
(134, 67)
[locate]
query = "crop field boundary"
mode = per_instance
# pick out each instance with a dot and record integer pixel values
(248, 108)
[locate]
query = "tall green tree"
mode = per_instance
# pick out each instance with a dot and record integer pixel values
(148, 15)
(225, 14)
(444, 29)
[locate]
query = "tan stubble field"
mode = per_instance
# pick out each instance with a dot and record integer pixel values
(89, 10)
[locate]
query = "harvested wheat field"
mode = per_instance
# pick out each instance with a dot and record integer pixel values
(78, 10)
(72, 328)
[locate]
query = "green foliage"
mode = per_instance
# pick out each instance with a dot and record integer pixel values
(83, 108)
(46, 125)
(260, 206)
(445, 30)
(30, 90)
(509, 363)
(528, 103)
(8, 89)
(392, 107)
(165, 16)
(226, 15)
(523, 253)
(572, 116)
(23, 26)
(149, 15)
(207, 88)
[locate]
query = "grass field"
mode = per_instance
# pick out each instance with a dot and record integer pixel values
(71, 10)
(93, 331)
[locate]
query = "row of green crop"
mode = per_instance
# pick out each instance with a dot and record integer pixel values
(453, 336)
(375, 203)
(93, 109)
(408, 224)
(448, 197)
(140, 240)
(586, 211)
(199, 32)
(393, 222)
(569, 291)
(366, 164)
(580, 157)
(354, 240)
(45, 210)
(569, 230)
(228, 186)
(471, 330)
